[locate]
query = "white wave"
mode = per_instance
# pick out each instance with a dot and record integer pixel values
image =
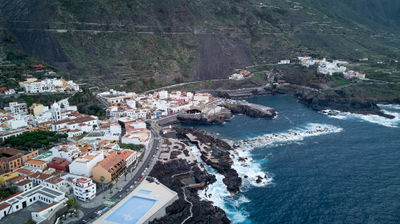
(376, 119)
(390, 106)
(292, 135)
(248, 169)
(219, 195)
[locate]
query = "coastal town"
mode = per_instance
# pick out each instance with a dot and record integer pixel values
(94, 165)
(92, 155)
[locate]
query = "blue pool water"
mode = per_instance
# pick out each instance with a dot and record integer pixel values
(132, 210)
(349, 174)
(145, 192)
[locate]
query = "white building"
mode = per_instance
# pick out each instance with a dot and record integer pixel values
(84, 188)
(50, 85)
(83, 165)
(82, 123)
(24, 199)
(17, 108)
(284, 62)
(69, 152)
(163, 95)
(17, 123)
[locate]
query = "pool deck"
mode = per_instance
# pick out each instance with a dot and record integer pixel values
(150, 190)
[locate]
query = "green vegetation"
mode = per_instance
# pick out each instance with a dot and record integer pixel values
(87, 103)
(30, 222)
(132, 147)
(338, 79)
(45, 99)
(34, 140)
(7, 191)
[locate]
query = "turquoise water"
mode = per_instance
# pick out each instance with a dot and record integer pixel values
(132, 210)
(320, 169)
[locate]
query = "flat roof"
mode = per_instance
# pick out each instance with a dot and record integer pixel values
(152, 191)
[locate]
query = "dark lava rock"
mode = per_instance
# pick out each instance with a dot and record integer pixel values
(203, 211)
(219, 147)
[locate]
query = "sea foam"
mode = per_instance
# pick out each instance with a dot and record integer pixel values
(389, 109)
(219, 195)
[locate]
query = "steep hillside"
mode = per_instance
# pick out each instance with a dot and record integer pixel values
(140, 44)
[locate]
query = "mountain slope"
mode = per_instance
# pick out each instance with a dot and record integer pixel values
(147, 43)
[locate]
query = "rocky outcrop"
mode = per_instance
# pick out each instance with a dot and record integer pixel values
(203, 211)
(206, 115)
(250, 109)
(340, 102)
(214, 153)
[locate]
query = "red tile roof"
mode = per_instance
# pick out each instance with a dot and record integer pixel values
(4, 205)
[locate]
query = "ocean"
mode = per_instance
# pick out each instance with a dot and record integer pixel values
(319, 168)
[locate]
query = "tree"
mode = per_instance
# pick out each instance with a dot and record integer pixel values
(125, 173)
(70, 202)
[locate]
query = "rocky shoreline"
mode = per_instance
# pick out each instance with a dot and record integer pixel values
(314, 99)
(172, 174)
(341, 103)
(214, 152)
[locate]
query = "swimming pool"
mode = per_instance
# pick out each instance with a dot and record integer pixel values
(132, 210)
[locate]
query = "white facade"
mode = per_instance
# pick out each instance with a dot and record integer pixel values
(84, 188)
(50, 85)
(17, 108)
(66, 151)
(27, 198)
(284, 62)
(17, 123)
(83, 165)
(162, 95)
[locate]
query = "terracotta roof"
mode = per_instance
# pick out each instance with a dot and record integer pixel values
(4, 205)
(47, 206)
(110, 161)
(54, 180)
(126, 153)
(36, 162)
(76, 120)
(44, 176)
(22, 183)
(24, 171)
(16, 179)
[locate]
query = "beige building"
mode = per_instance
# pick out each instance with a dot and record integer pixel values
(36, 109)
(111, 168)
